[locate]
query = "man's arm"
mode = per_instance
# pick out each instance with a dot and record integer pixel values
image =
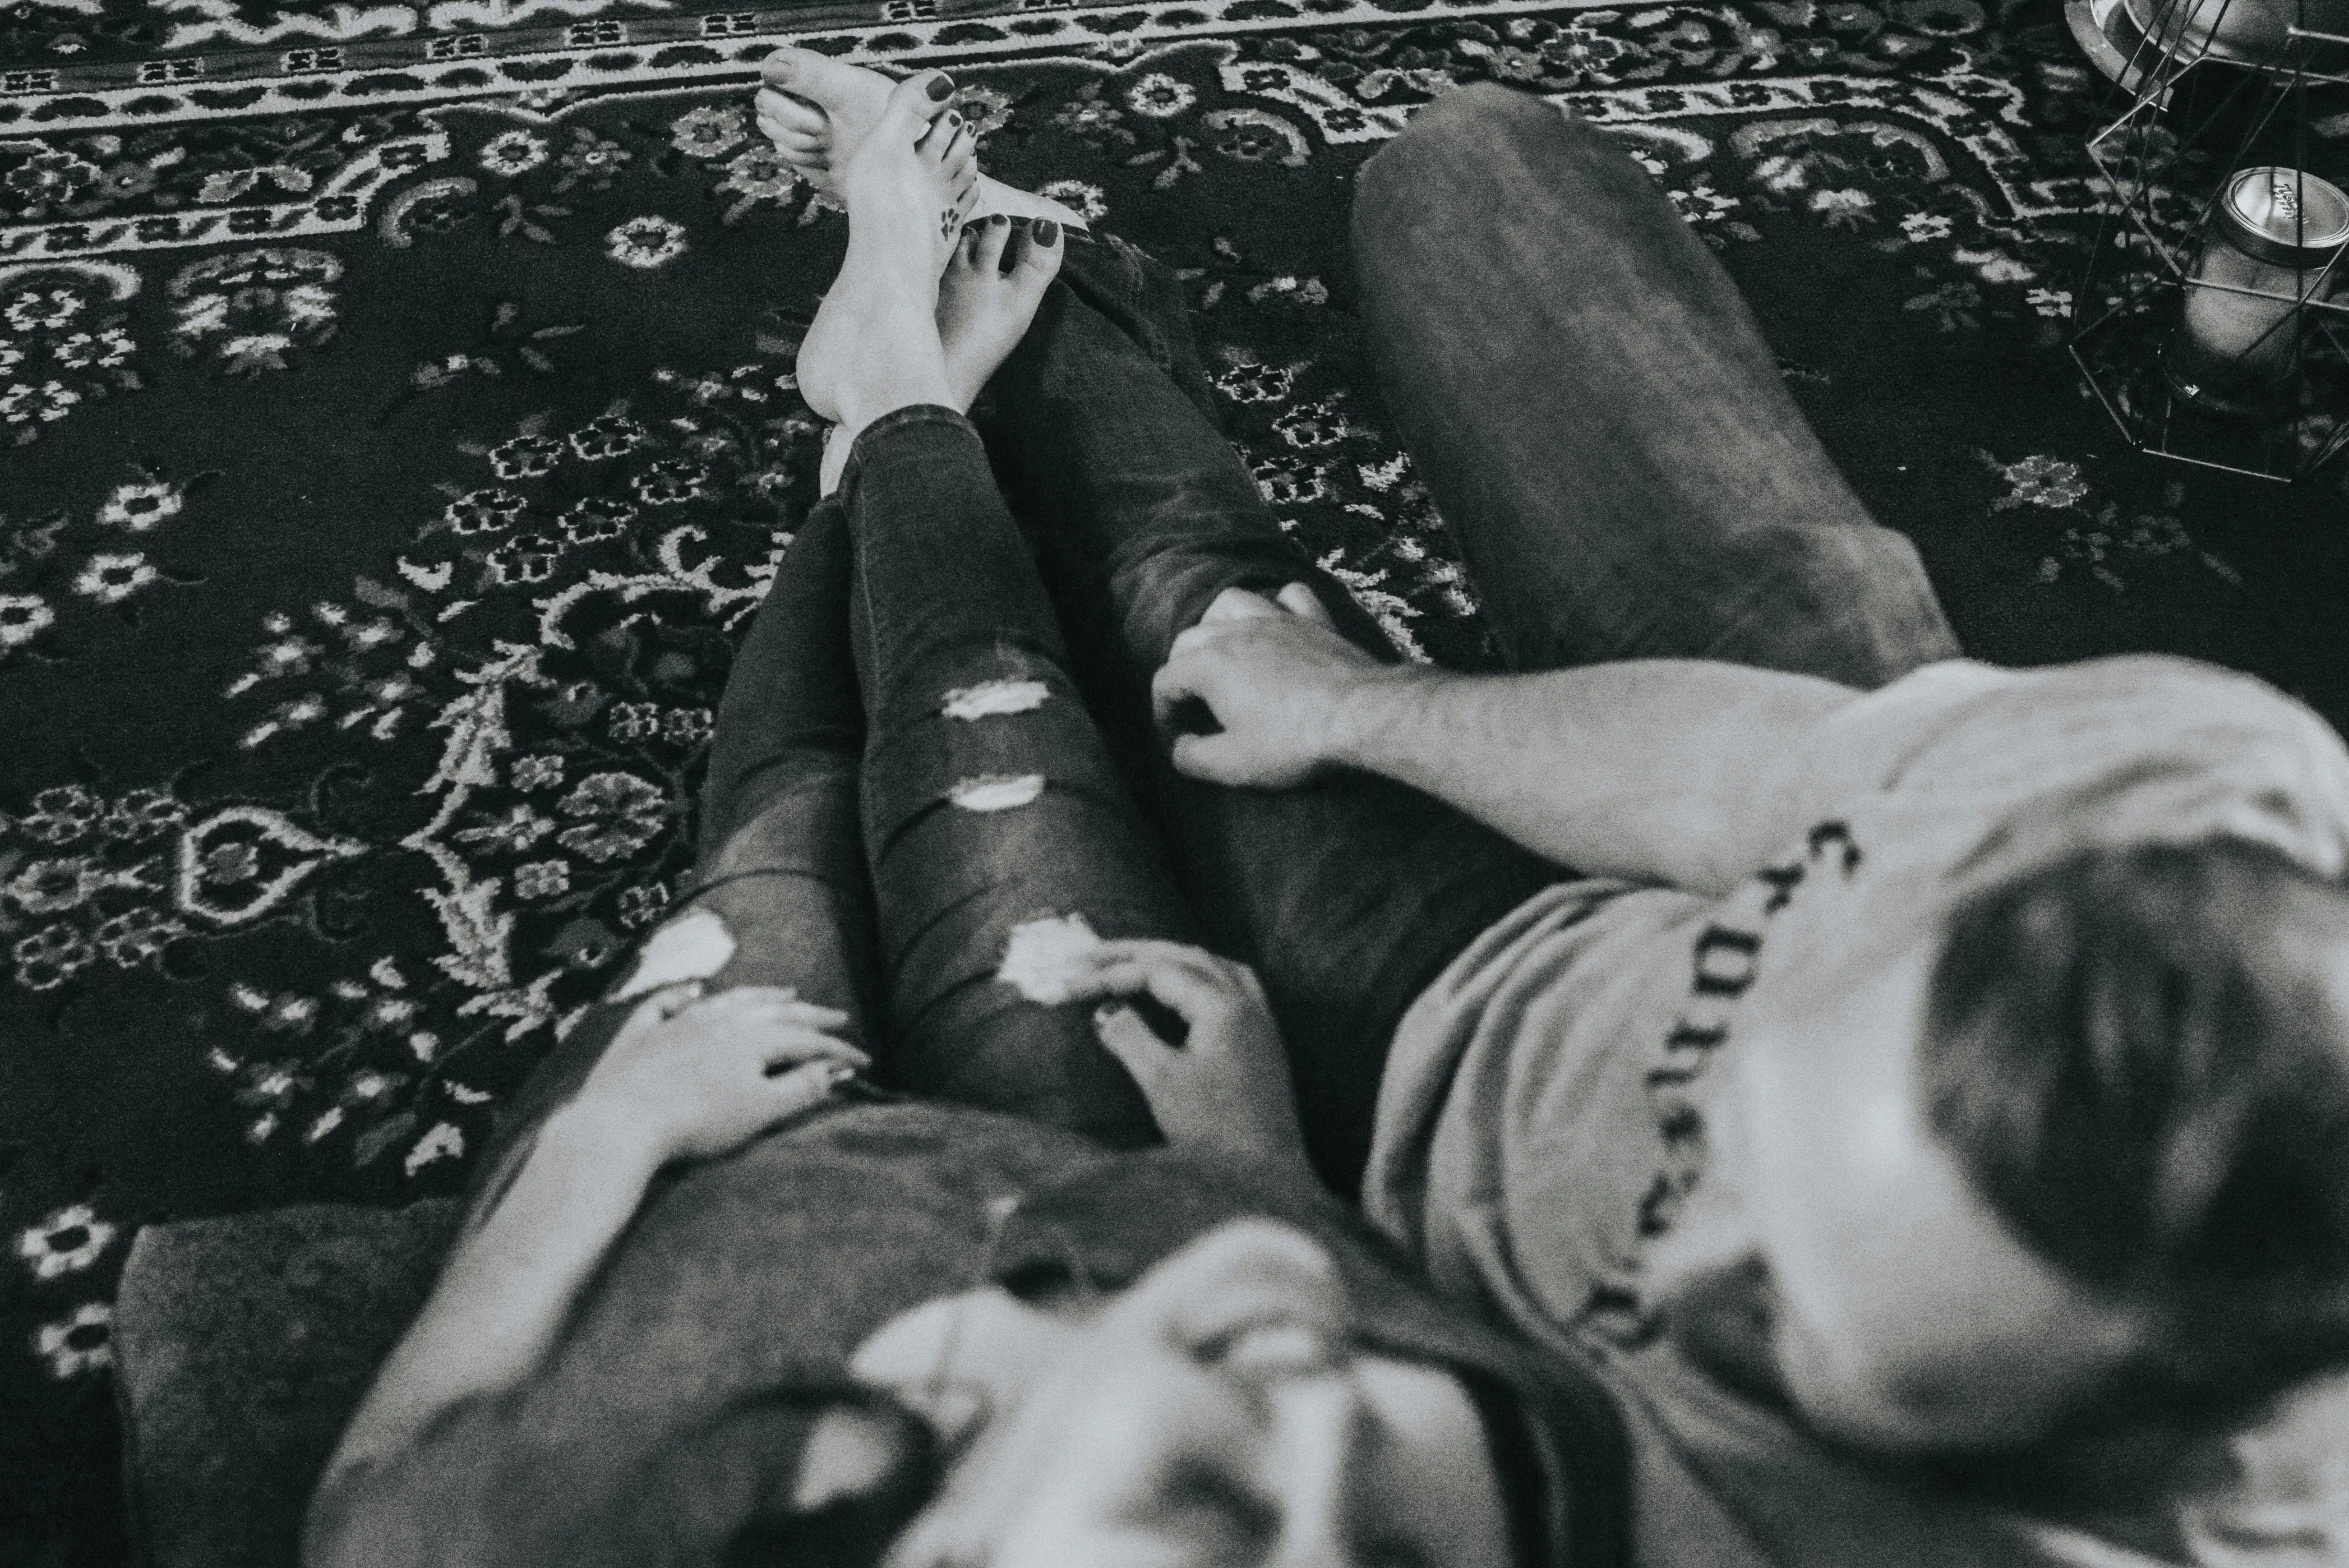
(1678, 771)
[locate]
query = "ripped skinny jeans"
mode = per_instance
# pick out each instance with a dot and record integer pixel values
(903, 784)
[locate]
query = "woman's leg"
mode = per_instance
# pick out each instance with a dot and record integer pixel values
(1599, 419)
(780, 895)
(996, 825)
(1348, 895)
(996, 829)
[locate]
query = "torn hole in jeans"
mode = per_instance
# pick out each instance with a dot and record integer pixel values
(996, 791)
(989, 699)
(1043, 956)
(694, 946)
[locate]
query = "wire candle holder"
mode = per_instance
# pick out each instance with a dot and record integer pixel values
(2212, 319)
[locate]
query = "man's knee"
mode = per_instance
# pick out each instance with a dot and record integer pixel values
(1443, 139)
(1849, 604)
(1470, 167)
(1161, 593)
(1468, 135)
(1471, 118)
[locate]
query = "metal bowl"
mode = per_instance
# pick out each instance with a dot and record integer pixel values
(2264, 34)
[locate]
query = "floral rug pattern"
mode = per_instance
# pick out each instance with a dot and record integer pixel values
(381, 487)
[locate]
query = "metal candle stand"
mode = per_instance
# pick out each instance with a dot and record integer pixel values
(2207, 321)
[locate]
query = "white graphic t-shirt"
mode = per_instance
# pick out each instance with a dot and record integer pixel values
(1542, 1122)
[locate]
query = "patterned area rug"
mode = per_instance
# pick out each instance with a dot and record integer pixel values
(396, 421)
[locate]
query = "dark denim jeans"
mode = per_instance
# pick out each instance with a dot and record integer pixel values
(842, 844)
(1348, 896)
(976, 823)
(781, 860)
(1600, 420)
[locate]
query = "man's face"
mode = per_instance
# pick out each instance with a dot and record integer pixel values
(1217, 1412)
(1837, 1244)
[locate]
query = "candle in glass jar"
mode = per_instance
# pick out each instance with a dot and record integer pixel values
(2272, 236)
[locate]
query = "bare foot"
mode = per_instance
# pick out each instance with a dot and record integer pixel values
(818, 111)
(984, 307)
(874, 345)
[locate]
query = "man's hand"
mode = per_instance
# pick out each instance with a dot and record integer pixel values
(1275, 676)
(1225, 1085)
(701, 1076)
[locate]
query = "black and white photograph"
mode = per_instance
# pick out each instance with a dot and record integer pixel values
(1174, 784)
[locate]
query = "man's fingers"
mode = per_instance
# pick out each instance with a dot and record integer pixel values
(1299, 599)
(1204, 635)
(1220, 759)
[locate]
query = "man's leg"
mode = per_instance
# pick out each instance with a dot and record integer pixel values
(1599, 419)
(997, 827)
(1348, 895)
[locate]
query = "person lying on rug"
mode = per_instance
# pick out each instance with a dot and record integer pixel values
(1925, 1099)
(719, 1301)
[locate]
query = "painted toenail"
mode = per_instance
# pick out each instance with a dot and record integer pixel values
(941, 88)
(1045, 232)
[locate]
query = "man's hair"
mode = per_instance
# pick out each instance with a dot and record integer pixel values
(2140, 1056)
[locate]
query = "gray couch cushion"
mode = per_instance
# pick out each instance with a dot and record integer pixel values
(243, 1344)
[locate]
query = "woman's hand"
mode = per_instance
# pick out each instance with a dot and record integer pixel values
(700, 1076)
(1226, 1083)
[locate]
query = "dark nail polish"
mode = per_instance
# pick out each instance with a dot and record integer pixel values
(941, 88)
(1044, 232)
(999, 218)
